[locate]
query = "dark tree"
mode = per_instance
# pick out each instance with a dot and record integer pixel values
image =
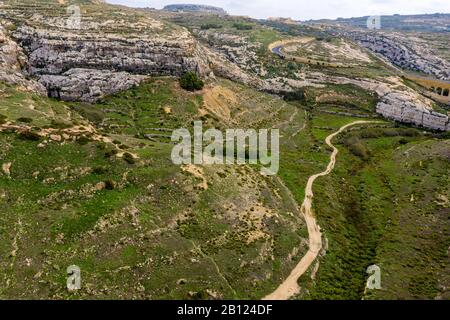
(191, 82)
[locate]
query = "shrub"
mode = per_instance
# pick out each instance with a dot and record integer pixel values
(111, 153)
(356, 147)
(93, 114)
(60, 124)
(25, 120)
(298, 95)
(210, 26)
(191, 82)
(411, 132)
(83, 140)
(3, 119)
(30, 135)
(359, 150)
(242, 26)
(371, 133)
(100, 170)
(101, 146)
(124, 147)
(128, 157)
(110, 185)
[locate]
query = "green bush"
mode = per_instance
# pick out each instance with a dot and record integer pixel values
(100, 170)
(89, 112)
(57, 124)
(298, 95)
(357, 147)
(242, 26)
(128, 157)
(110, 184)
(110, 153)
(83, 140)
(191, 82)
(25, 120)
(3, 119)
(30, 135)
(210, 26)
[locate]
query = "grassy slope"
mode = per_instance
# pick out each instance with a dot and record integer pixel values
(144, 229)
(382, 210)
(157, 235)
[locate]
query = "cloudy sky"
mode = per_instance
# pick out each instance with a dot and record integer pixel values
(308, 9)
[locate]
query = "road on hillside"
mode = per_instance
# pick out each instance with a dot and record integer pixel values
(290, 287)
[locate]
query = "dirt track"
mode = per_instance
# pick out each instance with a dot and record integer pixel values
(290, 287)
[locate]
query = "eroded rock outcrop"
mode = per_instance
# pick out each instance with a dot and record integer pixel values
(397, 101)
(405, 51)
(54, 53)
(88, 84)
(12, 60)
(120, 40)
(394, 106)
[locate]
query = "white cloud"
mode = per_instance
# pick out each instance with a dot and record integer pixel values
(308, 9)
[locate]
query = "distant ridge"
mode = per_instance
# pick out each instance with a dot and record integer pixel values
(439, 22)
(195, 8)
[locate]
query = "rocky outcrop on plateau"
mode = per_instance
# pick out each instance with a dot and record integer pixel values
(123, 41)
(401, 103)
(404, 51)
(53, 52)
(113, 50)
(88, 84)
(393, 107)
(53, 55)
(396, 101)
(234, 48)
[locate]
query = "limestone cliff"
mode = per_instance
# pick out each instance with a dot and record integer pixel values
(12, 59)
(113, 43)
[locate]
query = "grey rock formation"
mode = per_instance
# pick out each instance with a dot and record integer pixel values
(391, 107)
(134, 42)
(115, 51)
(62, 59)
(12, 59)
(57, 52)
(397, 102)
(239, 50)
(407, 52)
(87, 84)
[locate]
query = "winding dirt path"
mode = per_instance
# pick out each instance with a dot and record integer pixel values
(290, 287)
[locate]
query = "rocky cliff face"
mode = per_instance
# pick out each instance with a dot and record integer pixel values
(397, 101)
(88, 84)
(54, 52)
(391, 107)
(404, 51)
(400, 103)
(113, 48)
(112, 44)
(12, 59)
